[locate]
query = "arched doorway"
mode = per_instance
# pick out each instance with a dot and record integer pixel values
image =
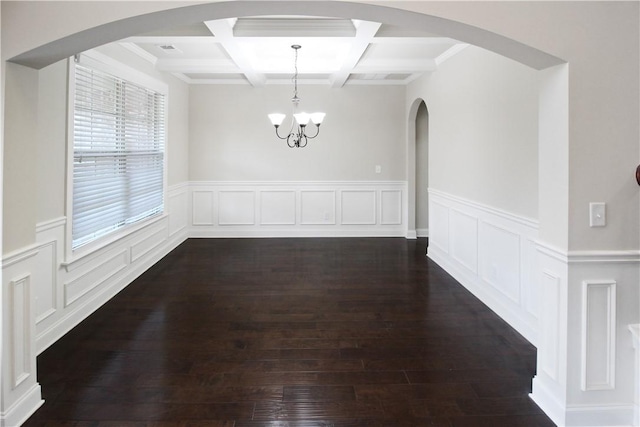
(422, 171)
(59, 48)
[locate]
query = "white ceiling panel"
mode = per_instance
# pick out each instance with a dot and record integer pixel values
(258, 51)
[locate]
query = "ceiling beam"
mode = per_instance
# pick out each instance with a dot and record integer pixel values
(298, 27)
(398, 66)
(177, 65)
(423, 41)
(222, 29)
(171, 39)
(453, 50)
(365, 32)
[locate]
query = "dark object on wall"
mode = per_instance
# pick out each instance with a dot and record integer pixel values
(638, 174)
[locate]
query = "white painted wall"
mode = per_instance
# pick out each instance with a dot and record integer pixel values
(19, 177)
(35, 145)
(51, 154)
(483, 121)
(231, 138)
(604, 107)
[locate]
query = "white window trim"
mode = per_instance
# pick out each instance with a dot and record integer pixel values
(109, 65)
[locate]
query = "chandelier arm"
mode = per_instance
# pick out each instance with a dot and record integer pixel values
(278, 135)
(292, 140)
(317, 132)
(305, 141)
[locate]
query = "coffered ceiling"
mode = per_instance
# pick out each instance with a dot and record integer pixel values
(258, 51)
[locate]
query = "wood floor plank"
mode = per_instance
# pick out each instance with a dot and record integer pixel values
(301, 332)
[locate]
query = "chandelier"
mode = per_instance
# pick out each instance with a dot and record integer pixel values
(297, 137)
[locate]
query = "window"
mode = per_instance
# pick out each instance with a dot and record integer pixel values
(118, 154)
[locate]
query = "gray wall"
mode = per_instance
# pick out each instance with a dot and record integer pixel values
(231, 138)
(35, 153)
(483, 120)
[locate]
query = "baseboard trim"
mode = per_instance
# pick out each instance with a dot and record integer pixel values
(580, 415)
(21, 410)
(259, 234)
(600, 416)
(546, 400)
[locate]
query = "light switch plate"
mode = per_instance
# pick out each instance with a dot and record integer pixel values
(597, 214)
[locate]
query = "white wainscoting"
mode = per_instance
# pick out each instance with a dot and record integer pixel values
(491, 252)
(20, 389)
(598, 335)
(586, 365)
(66, 293)
(297, 209)
(45, 295)
(635, 339)
(587, 372)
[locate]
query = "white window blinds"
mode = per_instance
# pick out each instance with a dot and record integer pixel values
(118, 154)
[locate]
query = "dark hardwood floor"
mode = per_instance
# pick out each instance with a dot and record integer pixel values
(291, 332)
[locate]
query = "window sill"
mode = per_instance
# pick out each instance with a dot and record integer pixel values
(85, 254)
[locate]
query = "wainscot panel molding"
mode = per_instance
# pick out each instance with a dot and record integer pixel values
(587, 373)
(277, 207)
(570, 305)
(177, 197)
(44, 297)
(439, 238)
(598, 335)
(635, 339)
(391, 207)
(491, 252)
(298, 209)
(21, 394)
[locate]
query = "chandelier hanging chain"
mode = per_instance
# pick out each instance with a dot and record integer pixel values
(295, 73)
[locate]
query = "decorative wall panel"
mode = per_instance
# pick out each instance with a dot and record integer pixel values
(44, 283)
(178, 209)
(318, 207)
(598, 335)
(489, 251)
(277, 207)
(202, 207)
(150, 240)
(236, 208)
(299, 209)
(20, 330)
(391, 207)
(439, 225)
(95, 276)
(500, 260)
(358, 207)
(549, 321)
(463, 231)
